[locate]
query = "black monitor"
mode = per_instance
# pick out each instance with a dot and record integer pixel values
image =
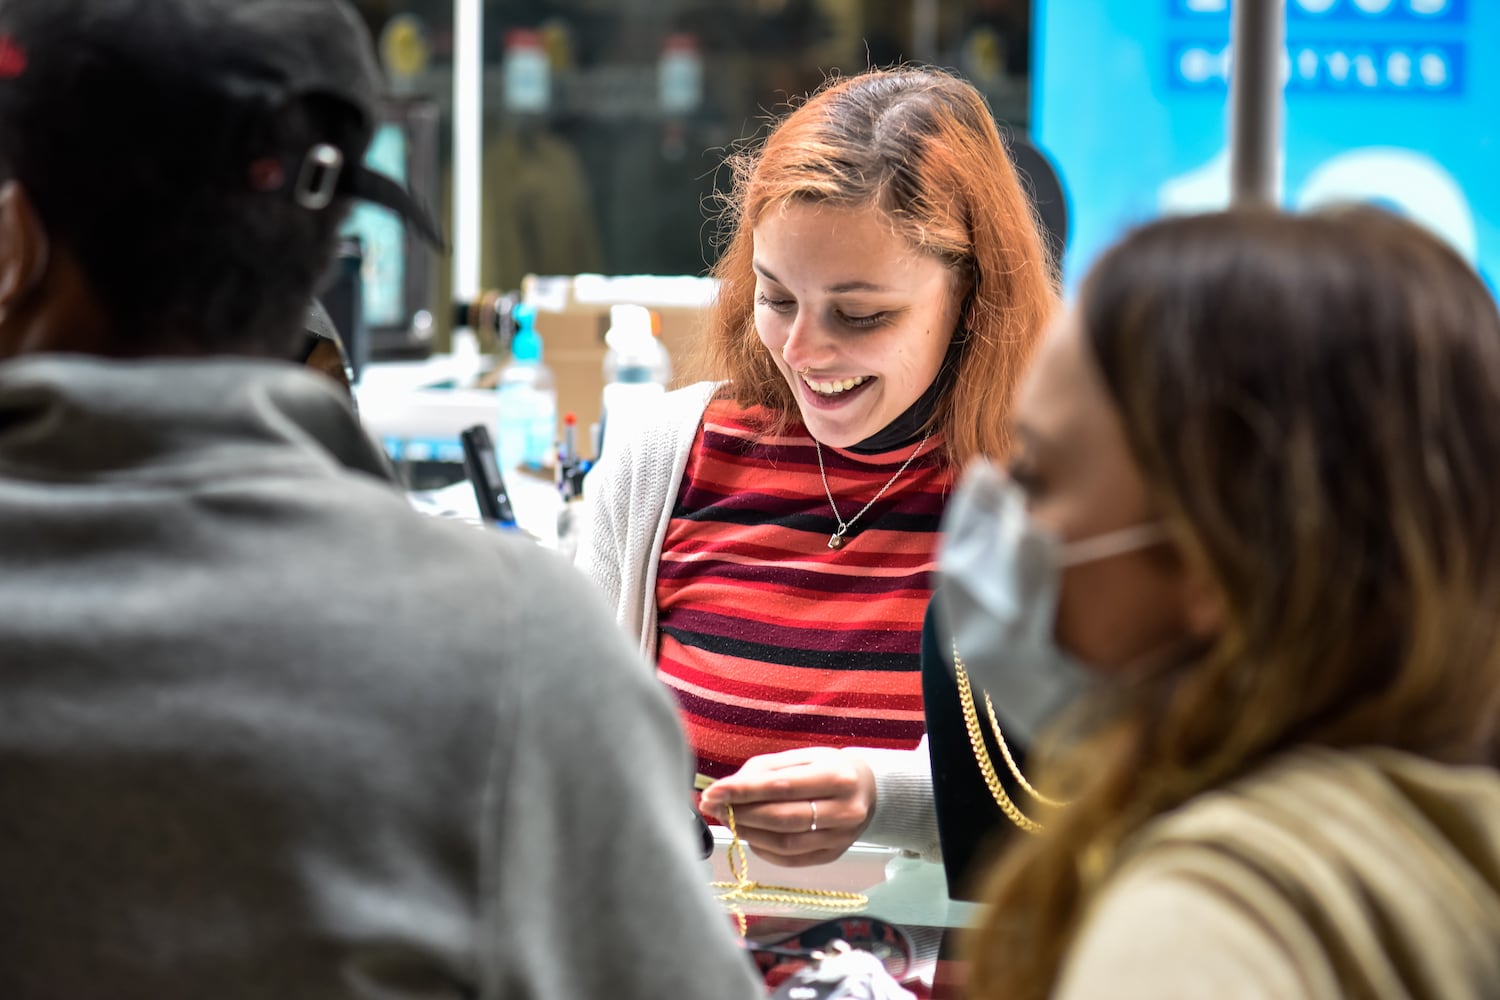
(397, 269)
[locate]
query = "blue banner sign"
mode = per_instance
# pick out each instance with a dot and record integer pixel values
(1391, 101)
(1340, 11)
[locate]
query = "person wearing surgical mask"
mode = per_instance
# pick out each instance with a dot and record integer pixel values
(1238, 593)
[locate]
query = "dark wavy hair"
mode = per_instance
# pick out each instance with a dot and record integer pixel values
(1314, 403)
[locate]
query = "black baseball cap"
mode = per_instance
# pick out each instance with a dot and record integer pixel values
(197, 67)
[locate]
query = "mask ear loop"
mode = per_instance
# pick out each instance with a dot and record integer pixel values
(1111, 543)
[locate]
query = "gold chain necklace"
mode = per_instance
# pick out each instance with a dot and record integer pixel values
(744, 890)
(836, 540)
(982, 755)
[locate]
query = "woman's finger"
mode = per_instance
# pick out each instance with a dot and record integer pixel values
(799, 816)
(831, 774)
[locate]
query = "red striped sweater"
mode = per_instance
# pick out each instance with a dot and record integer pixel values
(770, 639)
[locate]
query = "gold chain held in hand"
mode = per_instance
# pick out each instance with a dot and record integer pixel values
(744, 890)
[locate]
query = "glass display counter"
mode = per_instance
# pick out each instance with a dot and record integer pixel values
(902, 890)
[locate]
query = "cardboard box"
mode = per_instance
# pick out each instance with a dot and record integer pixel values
(573, 316)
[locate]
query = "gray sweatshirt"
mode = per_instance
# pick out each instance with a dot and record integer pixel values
(265, 732)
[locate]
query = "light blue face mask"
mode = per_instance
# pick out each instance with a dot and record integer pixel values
(1000, 575)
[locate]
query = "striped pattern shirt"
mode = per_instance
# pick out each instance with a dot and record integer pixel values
(771, 640)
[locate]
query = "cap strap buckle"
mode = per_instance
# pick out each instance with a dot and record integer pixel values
(318, 180)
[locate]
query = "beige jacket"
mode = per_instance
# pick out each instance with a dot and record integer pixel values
(1369, 873)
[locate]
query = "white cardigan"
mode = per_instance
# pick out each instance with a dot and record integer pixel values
(630, 497)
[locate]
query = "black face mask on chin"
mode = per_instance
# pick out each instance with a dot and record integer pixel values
(909, 427)
(323, 349)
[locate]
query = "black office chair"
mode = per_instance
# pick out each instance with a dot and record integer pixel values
(1041, 180)
(971, 827)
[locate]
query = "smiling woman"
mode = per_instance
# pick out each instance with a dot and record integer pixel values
(861, 321)
(770, 535)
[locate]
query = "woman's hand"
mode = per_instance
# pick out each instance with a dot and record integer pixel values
(797, 807)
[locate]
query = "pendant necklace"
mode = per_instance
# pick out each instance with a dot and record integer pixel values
(836, 540)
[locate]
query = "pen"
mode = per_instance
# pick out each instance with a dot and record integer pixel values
(567, 452)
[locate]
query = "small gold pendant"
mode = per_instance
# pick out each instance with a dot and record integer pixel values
(836, 541)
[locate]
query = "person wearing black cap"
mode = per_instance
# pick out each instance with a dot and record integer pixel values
(265, 731)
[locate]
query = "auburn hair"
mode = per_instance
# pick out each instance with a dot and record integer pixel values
(921, 147)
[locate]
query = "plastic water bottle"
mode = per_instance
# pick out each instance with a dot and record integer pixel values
(527, 417)
(636, 370)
